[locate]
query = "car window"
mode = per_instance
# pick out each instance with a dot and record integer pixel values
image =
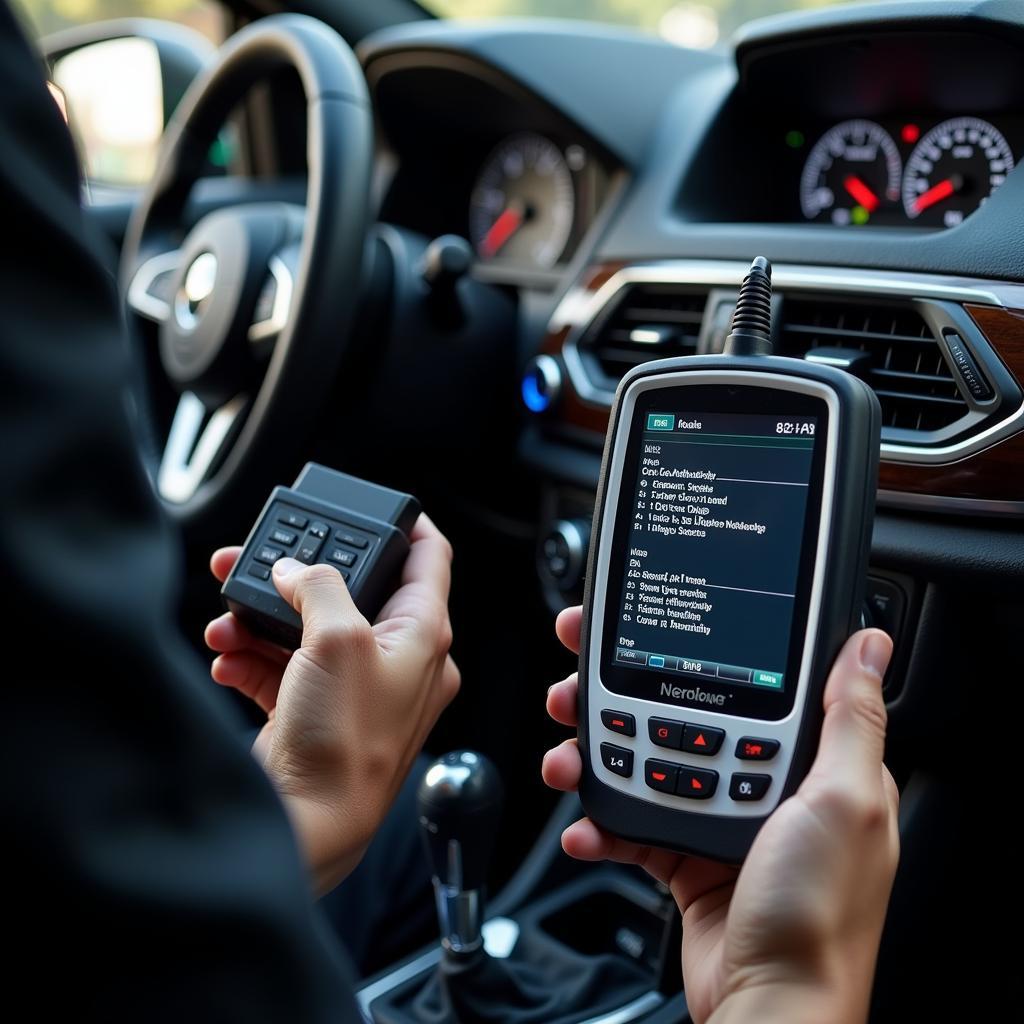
(697, 24)
(113, 91)
(46, 16)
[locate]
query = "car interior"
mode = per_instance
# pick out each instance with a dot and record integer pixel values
(441, 245)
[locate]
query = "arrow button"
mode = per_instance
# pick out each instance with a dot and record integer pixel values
(660, 775)
(702, 739)
(696, 783)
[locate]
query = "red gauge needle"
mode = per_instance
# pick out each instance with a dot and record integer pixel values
(507, 224)
(861, 192)
(943, 190)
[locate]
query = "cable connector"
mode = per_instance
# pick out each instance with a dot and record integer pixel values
(751, 331)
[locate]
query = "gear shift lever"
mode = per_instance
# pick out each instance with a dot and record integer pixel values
(540, 980)
(459, 803)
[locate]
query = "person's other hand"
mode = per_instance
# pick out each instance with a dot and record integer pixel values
(793, 935)
(350, 709)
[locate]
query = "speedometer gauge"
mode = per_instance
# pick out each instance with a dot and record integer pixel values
(523, 204)
(953, 170)
(853, 170)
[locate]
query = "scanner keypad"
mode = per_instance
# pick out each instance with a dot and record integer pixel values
(690, 781)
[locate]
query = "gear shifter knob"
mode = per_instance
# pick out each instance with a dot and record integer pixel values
(459, 803)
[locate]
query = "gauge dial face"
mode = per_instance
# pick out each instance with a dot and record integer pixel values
(523, 204)
(853, 170)
(953, 170)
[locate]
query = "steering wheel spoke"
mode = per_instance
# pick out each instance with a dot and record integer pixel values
(151, 290)
(198, 440)
(274, 304)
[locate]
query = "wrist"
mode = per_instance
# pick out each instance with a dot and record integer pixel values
(809, 1001)
(332, 833)
(330, 846)
(837, 992)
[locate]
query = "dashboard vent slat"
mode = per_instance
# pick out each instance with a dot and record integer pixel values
(907, 369)
(665, 316)
(843, 332)
(647, 321)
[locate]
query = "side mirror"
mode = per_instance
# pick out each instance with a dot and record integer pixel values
(121, 81)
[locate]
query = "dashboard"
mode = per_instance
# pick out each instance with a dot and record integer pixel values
(621, 206)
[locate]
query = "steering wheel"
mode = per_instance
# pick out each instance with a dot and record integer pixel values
(255, 302)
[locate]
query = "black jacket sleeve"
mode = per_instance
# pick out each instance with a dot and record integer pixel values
(150, 870)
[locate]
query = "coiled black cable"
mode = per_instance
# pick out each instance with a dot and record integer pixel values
(751, 330)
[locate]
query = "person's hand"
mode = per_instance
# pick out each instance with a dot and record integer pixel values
(794, 935)
(349, 711)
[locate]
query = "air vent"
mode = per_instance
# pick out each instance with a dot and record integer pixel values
(649, 321)
(890, 345)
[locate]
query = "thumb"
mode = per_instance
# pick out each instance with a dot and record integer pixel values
(853, 734)
(318, 594)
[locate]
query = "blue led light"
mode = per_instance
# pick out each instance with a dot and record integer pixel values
(533, 398)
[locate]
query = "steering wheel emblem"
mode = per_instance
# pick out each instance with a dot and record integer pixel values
(193, 295)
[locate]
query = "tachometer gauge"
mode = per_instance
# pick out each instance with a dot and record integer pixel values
(953, 170)
(523, 204)
(853, 170)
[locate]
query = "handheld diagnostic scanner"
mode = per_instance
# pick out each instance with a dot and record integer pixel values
(731, 535)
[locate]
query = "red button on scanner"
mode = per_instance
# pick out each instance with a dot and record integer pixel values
(660, 775)
(696, 783)
(665, 733)
(619, 721)
(754, 748)
(702, 739)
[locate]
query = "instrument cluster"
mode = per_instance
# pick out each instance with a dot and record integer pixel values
(904, 171)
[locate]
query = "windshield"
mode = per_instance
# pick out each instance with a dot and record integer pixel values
(680, 21)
